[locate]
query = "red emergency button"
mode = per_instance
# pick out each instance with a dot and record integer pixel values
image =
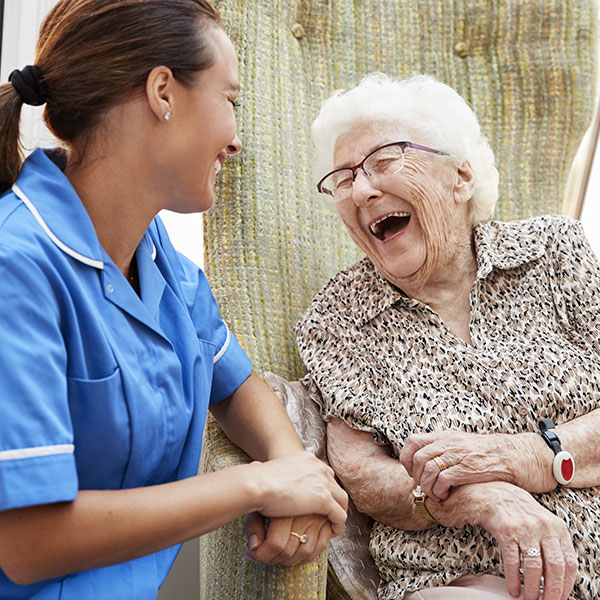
(563, 467)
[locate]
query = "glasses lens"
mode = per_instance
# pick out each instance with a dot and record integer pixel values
(338, 183)
(385, 161)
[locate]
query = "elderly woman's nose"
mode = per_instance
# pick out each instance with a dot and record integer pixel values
(364, 190)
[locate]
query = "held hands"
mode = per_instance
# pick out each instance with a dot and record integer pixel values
(306, 508)
(300, 484)
(530, 537)
(442, 460)
(282, 542)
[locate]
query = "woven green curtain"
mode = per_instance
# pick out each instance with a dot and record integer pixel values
(527, 68)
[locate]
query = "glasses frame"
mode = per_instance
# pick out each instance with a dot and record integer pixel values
(361, 165)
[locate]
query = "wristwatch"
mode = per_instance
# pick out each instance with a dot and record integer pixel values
(563, 466)
(419, 498)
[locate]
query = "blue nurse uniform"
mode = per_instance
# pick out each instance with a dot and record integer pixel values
(101, 389)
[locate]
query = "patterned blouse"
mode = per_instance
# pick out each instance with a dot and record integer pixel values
(385, 363)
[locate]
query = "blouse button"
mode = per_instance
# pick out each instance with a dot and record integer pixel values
(461, 49)
(297, 30)
(524, 411)
(109, 288)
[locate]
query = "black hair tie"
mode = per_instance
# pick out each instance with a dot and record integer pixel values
(29, 83)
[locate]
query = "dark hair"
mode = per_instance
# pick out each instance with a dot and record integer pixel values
(94, 54)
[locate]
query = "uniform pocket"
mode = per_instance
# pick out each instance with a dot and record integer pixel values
(101, 429)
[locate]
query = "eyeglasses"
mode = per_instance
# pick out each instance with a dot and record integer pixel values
(383, 161)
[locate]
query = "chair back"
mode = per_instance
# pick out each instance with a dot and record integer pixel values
(526, 67)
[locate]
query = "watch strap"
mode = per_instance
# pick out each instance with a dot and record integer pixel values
(552, 441)
(419, 499)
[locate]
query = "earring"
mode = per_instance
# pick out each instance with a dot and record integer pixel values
(167, 115)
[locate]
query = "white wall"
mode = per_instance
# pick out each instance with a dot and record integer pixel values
(21, 23)
(590, 214)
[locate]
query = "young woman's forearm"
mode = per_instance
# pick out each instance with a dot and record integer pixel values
(108, 527)
(255, 420)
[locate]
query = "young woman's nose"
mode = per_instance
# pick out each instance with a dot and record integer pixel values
(235, 146)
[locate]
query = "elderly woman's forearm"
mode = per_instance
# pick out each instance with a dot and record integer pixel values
(377, 483)
(581, 437)
(444, 460)
(382, 490)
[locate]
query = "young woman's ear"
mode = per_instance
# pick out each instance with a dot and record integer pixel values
(159, 92)
(463, 189)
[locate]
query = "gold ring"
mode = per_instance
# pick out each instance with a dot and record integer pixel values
(301, 536)
(440, 463)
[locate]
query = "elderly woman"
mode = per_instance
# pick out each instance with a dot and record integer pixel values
(459, 362)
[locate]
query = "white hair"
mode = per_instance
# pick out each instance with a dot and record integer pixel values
(429, 109)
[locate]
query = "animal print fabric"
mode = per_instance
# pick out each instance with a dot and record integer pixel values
(385, 363)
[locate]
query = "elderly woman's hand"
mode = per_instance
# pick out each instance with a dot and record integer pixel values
(439, 461)
(530, 538)
(289, 541)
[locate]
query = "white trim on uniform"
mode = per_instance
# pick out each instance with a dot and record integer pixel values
(223, 347)
(37, 451)
(98, 264)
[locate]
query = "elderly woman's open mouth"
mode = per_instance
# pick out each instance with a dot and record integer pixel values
(389, 225)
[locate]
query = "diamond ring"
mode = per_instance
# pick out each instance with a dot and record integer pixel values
(301, 536)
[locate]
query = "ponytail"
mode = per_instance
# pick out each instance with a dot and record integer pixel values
(11, 153)
(92, 54)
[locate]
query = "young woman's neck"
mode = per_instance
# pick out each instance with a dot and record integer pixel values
(115, 184)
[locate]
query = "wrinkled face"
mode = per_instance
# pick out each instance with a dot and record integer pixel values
(203, 129)
(404, 222)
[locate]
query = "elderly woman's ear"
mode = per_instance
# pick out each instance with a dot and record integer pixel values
(463, 190)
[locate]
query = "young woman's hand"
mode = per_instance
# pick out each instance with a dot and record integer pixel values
(299, 484)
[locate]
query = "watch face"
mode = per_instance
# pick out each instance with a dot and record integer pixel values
(418, 493)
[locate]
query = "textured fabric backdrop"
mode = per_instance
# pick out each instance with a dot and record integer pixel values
(527, 67)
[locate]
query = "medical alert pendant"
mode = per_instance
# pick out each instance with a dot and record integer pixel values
(563, 466)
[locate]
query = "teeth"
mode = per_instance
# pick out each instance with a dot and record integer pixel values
(374, 226)
(217, 166)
